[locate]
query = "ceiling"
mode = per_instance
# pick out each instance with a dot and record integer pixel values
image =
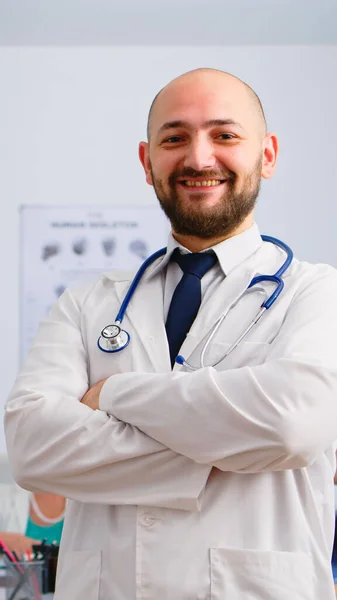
(167, 22)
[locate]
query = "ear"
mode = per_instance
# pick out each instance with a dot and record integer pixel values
(270, 152)
(144, 157)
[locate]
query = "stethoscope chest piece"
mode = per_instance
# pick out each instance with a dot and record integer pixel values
(113, 339)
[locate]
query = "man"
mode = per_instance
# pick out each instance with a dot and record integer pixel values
(191, 484)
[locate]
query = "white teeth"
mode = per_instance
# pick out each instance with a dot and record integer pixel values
(208, 183)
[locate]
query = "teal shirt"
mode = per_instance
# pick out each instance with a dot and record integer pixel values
(50, 533)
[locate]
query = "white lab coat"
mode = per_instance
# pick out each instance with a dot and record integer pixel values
(212, 485)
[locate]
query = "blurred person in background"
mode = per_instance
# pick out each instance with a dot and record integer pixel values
(29, 518)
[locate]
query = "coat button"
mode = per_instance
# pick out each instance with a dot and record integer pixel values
(147, 520)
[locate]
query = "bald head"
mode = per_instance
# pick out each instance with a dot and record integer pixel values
(210, 78)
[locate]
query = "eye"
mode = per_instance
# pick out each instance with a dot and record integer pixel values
(226, 136)
(174, 139)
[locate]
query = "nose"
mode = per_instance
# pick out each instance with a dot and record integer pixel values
(200, 154)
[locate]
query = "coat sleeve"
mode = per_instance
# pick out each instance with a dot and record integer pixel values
(58, 445)
(275, 416)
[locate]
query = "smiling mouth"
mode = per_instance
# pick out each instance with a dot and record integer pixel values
(204, 183)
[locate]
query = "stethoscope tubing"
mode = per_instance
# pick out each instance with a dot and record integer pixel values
(135, 282)
(276, 279)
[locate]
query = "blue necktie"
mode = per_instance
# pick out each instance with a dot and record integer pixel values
(187, 297)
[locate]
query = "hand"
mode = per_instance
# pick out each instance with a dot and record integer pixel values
(18, 543)
(91, 397)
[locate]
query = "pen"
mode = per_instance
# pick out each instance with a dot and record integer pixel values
(10, 556)
(29, 555)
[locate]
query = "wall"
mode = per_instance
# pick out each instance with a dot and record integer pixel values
(71, 119)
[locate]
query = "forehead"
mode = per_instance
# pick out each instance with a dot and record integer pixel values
(198, 101)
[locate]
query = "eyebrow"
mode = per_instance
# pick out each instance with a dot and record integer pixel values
(205, 125)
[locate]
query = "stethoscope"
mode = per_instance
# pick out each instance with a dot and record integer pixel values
(114, 339)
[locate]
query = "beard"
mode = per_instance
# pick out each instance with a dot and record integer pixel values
(230, 211)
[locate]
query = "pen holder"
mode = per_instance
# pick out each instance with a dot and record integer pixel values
(24, 580)
(48, 554)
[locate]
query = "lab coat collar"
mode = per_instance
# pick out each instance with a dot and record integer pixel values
(230, 252)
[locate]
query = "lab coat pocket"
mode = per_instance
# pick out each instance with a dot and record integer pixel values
(79, 576)
(268, 575)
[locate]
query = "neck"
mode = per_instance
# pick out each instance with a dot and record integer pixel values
(197, 244)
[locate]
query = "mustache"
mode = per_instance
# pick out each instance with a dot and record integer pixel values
(188, 172)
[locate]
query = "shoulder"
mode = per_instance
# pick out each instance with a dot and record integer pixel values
(117, 278)
(299, 274)
(312, 274)
(105, 282)
(312, 285)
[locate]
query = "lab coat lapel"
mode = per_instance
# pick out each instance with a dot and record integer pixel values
(146, 315)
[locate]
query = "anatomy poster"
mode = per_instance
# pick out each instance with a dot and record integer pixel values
(63, 246)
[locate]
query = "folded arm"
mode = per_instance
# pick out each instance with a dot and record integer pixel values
(59, 445)
(275, 416)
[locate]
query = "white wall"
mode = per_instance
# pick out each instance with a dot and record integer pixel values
(71, 119)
